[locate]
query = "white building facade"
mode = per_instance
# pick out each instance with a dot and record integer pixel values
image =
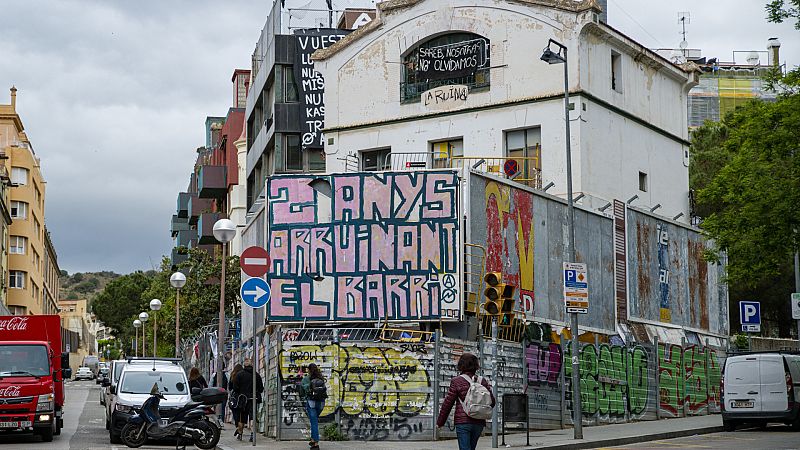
(433, 83)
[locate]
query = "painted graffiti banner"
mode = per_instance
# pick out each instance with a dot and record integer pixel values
(455, 60)
(365, 247)
(669, 279)
(523, 235)
(310, 82)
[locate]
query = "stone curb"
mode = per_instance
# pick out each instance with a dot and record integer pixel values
(627, 440)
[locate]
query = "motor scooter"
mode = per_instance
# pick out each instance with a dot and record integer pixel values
(190, 424)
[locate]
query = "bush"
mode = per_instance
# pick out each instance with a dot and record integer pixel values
(331, 433)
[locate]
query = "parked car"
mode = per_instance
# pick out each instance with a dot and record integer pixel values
(84, 373)
(134, 386)
(761, 388)
(116, 371)
(92, 362)
(102, 374)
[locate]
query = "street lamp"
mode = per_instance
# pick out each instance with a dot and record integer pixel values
(224, 232)
(136, 325)
(558, 57)
(155, 305)
(143, 316)
(177, 280)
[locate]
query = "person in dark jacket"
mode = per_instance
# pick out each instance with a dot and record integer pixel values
(196, 380)
(233, 398)
(468, 430)
(243, 384)
(314, 406)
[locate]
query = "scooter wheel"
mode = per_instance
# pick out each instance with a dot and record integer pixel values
(210, 432)
(132, 436)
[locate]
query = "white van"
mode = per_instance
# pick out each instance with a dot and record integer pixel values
(759, 388)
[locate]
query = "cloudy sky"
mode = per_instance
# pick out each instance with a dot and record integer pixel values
(114, 95)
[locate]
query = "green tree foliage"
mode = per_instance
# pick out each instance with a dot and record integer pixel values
(781, 10)
(199, 297)
(746, 173)
(120, 301)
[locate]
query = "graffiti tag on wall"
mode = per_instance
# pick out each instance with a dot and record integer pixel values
(373, 246)
(379, 392)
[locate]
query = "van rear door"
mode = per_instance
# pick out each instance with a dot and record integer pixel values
(773, 383)
(742, 384)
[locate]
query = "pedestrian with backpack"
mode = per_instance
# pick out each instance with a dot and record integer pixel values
(314, 392)
(474, 401)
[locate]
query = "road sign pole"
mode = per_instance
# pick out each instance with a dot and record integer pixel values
(494, 381)
(797, 284)
(255, 376)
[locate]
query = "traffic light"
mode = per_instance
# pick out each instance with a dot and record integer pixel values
(499, 298)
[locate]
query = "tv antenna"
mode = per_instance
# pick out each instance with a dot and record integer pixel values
(685, 19)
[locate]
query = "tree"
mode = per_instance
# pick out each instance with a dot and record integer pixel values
(199, 297)
(120, 301)
(746, 172)
(780, 10)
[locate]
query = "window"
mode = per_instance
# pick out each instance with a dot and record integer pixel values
(642, 181)
(316, 160)
(376, 160)
(616, 71)
(293, 152)
(16, 279)
(525, 146)
(37, 195)
(37, 227)
(19, 210)
(19, 176)
(444, 151)
(18, 245)
(35, 259)
(290, 85)
(426, 65)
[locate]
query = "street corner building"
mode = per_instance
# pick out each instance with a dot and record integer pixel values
(397, 159)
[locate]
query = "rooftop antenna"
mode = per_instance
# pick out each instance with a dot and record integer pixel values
(685, 19)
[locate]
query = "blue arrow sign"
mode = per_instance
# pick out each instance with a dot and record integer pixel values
(255, 292)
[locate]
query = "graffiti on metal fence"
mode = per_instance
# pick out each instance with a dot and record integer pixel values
(379, 392)
(386, 245)
(688, 380)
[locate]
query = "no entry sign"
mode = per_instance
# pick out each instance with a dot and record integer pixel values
(254, 261)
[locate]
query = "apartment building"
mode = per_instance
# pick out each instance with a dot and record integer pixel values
(27, 239)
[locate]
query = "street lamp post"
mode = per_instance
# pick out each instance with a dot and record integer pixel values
(224, 232)
(143, 316)
(136, 325)
(560, 57)
(177, 280)
(155, 305)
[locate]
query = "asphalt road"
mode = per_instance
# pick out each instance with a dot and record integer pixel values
(775, 437)
(84, 425)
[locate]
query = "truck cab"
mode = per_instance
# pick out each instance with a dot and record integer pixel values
(31, 375)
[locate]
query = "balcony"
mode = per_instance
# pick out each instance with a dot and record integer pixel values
(184, 238)
(178, 257)
(178, 224)
(205, 228)
(183, 205)
(199, 206)
(212, 182)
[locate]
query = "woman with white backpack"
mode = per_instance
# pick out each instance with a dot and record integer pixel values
(474, 404)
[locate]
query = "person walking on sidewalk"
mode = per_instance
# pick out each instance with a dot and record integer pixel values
(196, 380)
(243, 385)
(314, 393)
(468, 427)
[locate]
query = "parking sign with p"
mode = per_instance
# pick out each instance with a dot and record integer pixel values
(750, 316)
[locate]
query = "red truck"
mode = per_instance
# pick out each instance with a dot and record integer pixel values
(32, 374)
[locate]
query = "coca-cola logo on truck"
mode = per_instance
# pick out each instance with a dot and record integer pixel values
(16, 323)
(10, 391)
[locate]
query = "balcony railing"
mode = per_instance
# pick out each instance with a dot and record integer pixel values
(527, 167)
(183, 205)
(178, 224)
(199, 206)
(184, 238)
(178, 256)
(411, 91)
(205, 228)
(212, 181)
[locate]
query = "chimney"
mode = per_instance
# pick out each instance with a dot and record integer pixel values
(14, 98)
(774, 47)
(604, 10)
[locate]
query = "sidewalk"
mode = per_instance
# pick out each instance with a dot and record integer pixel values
(594, 437)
